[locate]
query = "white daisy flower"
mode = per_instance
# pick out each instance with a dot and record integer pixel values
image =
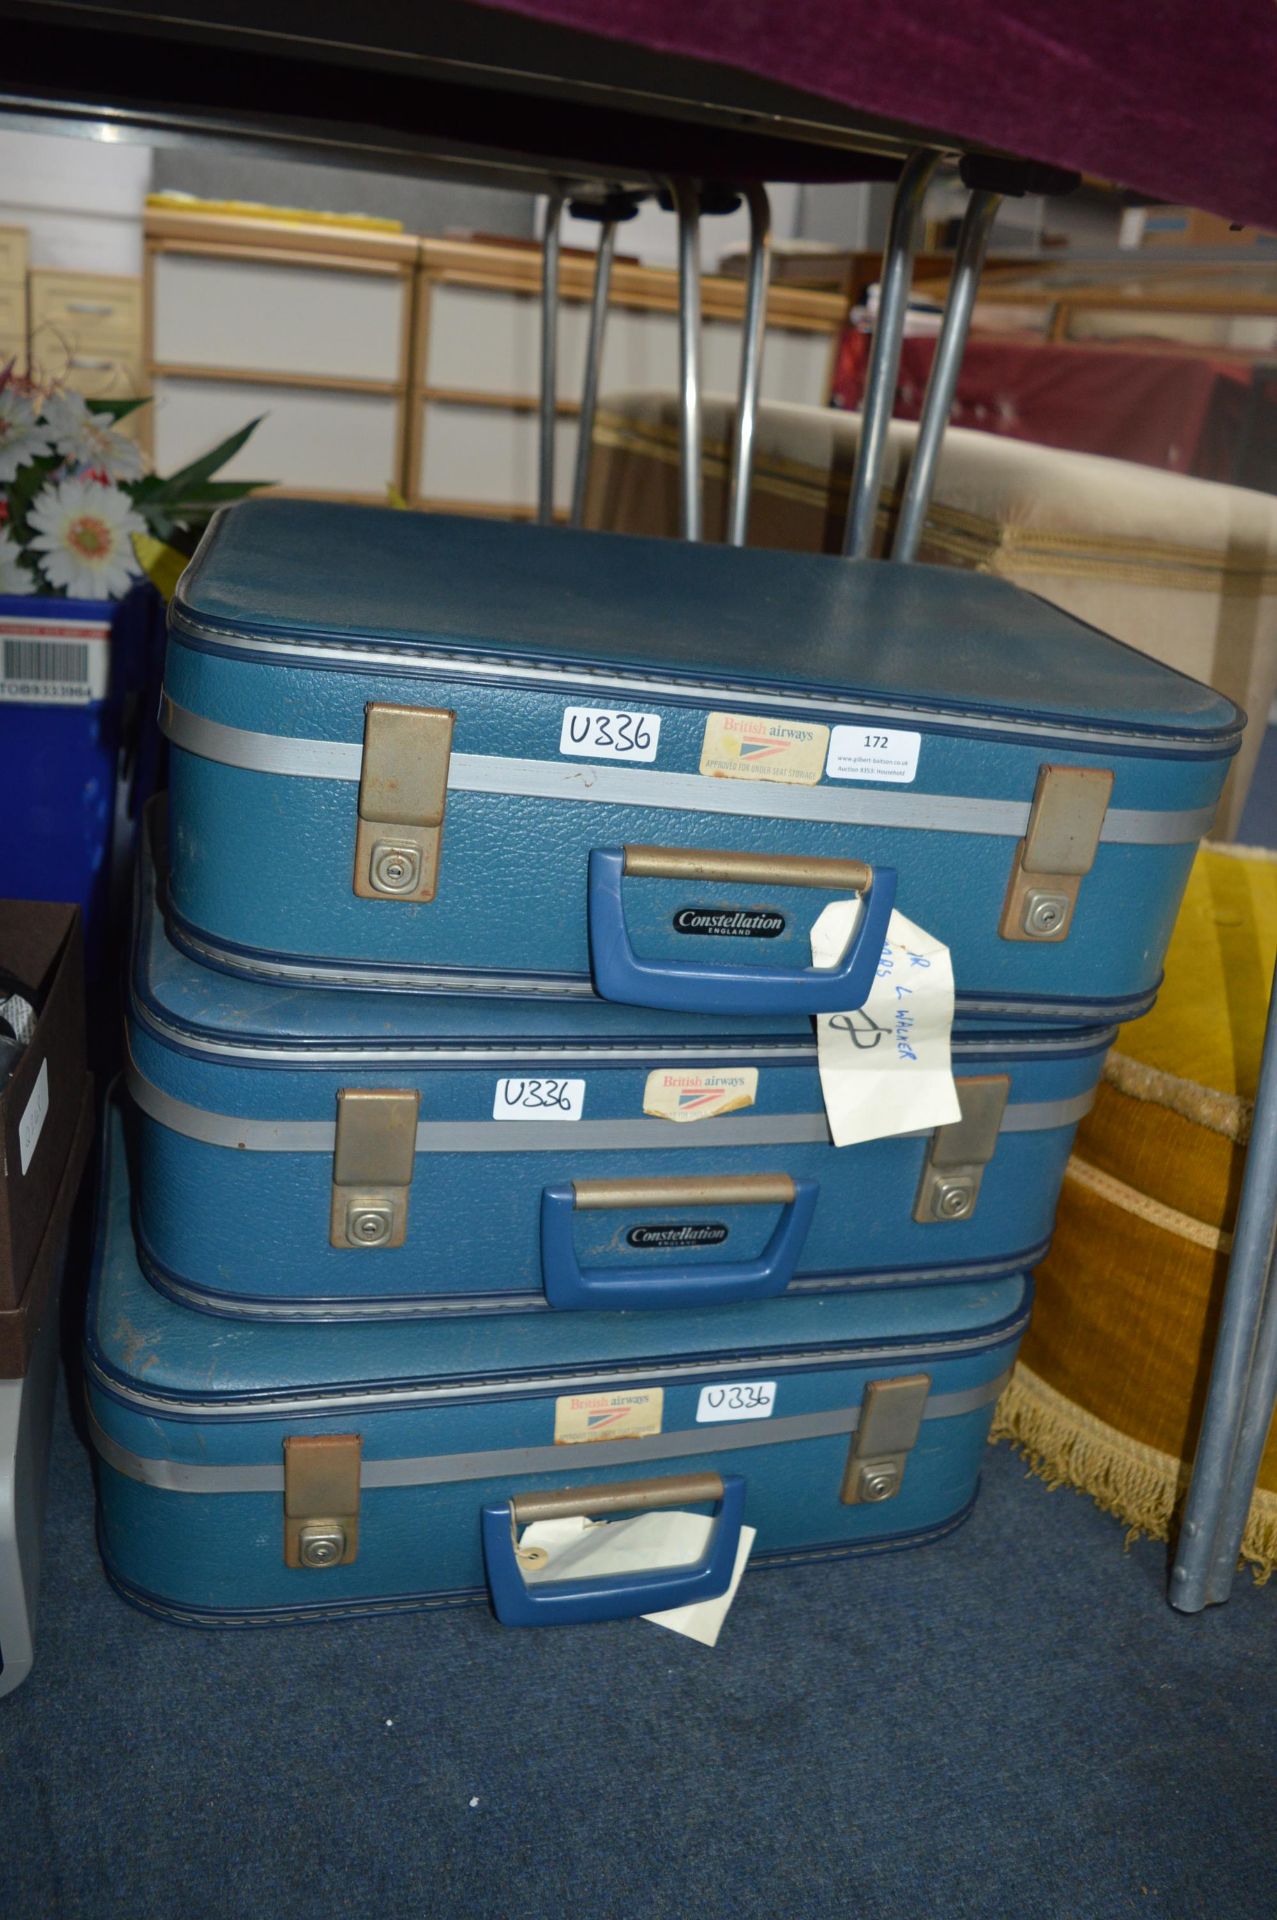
(89, 438)
(83, 538)
(14, 577)
(21, 439)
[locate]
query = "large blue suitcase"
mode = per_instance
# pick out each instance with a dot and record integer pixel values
(515, 1161)
(278, 1474)
(421, 751)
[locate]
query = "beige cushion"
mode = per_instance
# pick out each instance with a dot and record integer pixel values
(1183, 569)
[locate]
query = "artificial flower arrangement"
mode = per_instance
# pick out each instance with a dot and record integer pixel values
(80, 518)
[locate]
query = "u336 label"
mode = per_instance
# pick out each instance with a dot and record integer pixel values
(538, 1099)
(610, 733)
(737, 1400)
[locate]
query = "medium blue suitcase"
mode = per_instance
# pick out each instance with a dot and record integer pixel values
(276, 1474)
(318, 1155)
(411, 750)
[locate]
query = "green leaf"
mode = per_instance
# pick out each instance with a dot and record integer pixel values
(215, 493)
(178, 484)
(117, 409)
(159, 520)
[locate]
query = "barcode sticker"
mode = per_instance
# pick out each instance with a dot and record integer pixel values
(51, 662)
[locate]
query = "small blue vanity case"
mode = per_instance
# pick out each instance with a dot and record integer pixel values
(420, 751)
(272, 1473)
(312, 1154)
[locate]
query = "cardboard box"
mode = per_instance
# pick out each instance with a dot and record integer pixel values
(40, 1104)
(21, 1326)
(1190, 227)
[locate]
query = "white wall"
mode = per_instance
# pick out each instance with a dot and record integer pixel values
(81, 201)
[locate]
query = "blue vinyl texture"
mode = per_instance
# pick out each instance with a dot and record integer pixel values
(235, 1226)
(504, 600)
(162, 1388)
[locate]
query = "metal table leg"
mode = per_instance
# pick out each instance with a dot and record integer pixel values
(972, 242)
(751, 364)
(687, 205)
(1243, 1382)
(549, 357)
(884, 354)
(593, 360)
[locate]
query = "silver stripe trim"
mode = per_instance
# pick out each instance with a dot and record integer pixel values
(551, 1136)
(687, 792)
(516, 1463)
(1035, 1116)
(469, 666)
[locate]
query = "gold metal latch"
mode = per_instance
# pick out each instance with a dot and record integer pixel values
(321, 1499)
(373, 1161)
(960, 1151)
(403, 789)
(890, 1417)
(1063, 837)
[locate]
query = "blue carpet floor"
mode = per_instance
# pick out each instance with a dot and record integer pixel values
(1010, 1725)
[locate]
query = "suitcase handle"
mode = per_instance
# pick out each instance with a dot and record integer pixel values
(614, 1596)
(569, 1285)
(676, 986)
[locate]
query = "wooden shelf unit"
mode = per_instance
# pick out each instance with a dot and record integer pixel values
(308, 324)
(476, 361)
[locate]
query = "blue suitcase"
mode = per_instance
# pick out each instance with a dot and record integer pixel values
(278, 1474)
(318, 1155)
(420, 751)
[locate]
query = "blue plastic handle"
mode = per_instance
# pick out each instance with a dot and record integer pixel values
(552, 1603)
(568, 1284)
(675, 986)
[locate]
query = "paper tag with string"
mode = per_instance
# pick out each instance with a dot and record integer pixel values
(885, 1068)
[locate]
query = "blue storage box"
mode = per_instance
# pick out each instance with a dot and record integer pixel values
(79, 686)
(526, 1155)
(275, 1474)
(411, 750)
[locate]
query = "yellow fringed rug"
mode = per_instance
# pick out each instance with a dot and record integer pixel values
(1112, 1378)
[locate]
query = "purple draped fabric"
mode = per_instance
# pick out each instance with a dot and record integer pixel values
(1174, 99)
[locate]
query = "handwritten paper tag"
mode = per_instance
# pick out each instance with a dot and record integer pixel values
(579, 1549)
(886, 1068)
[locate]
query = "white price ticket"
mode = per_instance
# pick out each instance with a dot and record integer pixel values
(885, 1068)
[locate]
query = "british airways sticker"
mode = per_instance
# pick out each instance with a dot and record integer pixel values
(670, 1095)
(745, 746)
(626, 1415)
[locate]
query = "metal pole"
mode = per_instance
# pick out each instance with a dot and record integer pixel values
(972, 241)
(593, 359)
(751, 364)
(1243, 1381)
(884, 353)
(687, 205)
(549, 346)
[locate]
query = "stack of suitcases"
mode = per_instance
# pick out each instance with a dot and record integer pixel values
(474, 1167)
